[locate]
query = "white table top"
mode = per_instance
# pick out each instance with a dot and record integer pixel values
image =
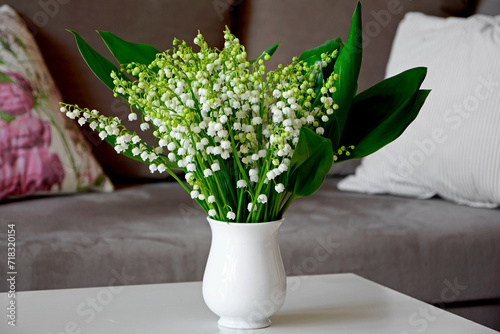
(341, 303)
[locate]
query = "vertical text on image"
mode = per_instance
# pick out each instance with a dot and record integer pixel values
(11, 274)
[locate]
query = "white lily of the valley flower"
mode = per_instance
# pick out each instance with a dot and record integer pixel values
(136, 139)
(282, 168)
(262, 198)
(252, 207)
(279, 188)
(215, 167)
(171, 146)
(271, 175)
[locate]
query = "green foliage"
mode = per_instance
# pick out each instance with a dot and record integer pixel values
(368, 121)
(270, 51)
(101, 67)
(313, 56)
(311, 162)
(5, 78)
(347, 67)
(6, 117)
(126, 52)
(381, 113)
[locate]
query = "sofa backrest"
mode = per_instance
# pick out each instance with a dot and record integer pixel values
(298, 24)
(301, 25)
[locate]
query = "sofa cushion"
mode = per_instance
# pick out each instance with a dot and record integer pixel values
(41, 151)
(149, 21)
(451, 149)
(155, 233)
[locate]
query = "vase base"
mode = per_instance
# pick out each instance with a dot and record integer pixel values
(239, 323)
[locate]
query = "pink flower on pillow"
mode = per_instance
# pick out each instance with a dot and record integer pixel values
(34, 169)
(26, 131)
(16, 94)
(26, 165)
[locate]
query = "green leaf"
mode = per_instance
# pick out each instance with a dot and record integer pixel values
(6, 46)
(170, 164)
(381, 113)
(5, 78)
(128, 153)
(6, 117)
(127, 52)
(347, 67)
(314, 55)
(101, 67)
(310, 163)
(270, 51)
(327, 47)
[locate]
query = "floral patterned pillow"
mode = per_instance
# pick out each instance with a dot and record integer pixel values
(40, 151)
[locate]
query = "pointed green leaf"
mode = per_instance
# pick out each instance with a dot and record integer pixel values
(127, 52)
(310, 163)
(381, 113)
(270, 51)
(347, 67)
(101, 67)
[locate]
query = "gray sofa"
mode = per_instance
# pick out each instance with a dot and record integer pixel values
(149, 231)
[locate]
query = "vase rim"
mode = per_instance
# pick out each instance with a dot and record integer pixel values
(211, 220)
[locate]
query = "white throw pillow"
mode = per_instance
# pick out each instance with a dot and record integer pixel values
(452, 149)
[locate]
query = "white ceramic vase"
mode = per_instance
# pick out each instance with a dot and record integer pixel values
(244, 281)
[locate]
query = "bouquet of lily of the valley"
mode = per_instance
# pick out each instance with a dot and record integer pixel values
(250, 141)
